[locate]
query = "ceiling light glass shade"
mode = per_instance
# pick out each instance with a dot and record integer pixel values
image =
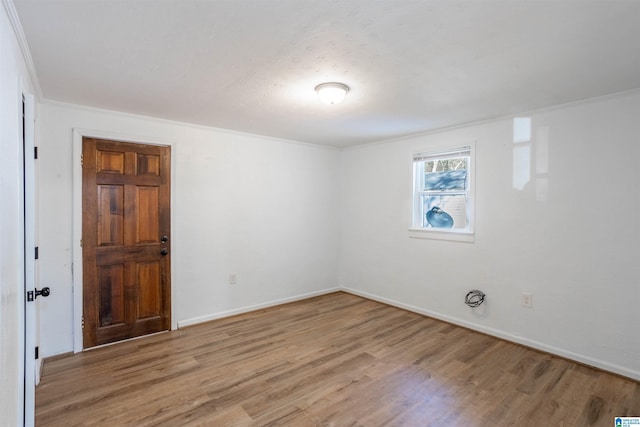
(332, 93)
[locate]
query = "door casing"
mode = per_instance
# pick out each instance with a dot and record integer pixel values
(31, 310)
(78, 134)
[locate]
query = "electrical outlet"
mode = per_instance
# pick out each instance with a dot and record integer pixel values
(233, 279)
(526, 300)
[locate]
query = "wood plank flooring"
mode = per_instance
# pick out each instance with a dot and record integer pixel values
(334, 360)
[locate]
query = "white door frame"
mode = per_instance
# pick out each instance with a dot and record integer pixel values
(31, 336)
(78, 134)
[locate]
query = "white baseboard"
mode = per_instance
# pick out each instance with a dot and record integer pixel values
(235, 311)
(586, 360)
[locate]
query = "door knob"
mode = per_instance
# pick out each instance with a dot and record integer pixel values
(45, 292)
(164, 251)
(164, 239)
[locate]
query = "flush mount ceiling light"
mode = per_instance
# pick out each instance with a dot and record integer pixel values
(332, 93)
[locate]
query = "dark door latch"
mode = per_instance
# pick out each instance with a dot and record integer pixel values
(32, 295)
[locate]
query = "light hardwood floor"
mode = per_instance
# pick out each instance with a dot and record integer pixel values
(334, 360)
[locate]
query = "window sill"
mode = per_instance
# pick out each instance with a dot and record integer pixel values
(449, 235)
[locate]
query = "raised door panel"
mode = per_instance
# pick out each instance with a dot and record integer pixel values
(147, 164)
(110, 162)
(110, 215)
(148, 215)
(149, 289)
(111, 280)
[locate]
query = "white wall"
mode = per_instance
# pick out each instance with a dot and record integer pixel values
(568, 232)
(292, 219)
(14, 79)
(261, 208)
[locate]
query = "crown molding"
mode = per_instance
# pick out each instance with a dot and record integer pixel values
(12, 14)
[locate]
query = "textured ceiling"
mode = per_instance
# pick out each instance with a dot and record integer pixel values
(252, 65)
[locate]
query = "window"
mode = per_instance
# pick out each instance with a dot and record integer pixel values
(442, 191)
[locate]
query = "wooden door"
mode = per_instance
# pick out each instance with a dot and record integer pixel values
(125, 240)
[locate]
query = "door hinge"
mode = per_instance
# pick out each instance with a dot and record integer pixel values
(37, 352)
(35, 152)
(82, 322)
(81, 160)
(80, 242)
(37, 252)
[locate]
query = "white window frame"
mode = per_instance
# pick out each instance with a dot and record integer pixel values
(416, 230)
